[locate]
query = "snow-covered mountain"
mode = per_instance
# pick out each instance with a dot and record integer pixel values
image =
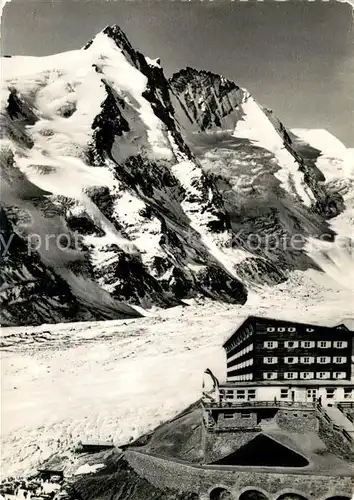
(129, 190)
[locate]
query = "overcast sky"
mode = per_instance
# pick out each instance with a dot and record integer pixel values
(297, 58)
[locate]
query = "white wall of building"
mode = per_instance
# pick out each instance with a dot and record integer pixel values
(329, 395)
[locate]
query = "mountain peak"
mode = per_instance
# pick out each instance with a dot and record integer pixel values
(117, 35)
(183, 77)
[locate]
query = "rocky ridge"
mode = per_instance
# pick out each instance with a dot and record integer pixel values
(168, 181)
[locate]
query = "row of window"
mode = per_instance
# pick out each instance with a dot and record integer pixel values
(304, 375)
(306, 360)
(243, 351)
(312, 393)
(249, 394)
(238, 394)
(240, 378)
(282, 329)
(243, 414)
(244, 334)
(248, 362)
(324, 344)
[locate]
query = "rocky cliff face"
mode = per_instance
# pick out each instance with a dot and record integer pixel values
(157, 185)
(31, 292)
(273, 192)
(212, 103)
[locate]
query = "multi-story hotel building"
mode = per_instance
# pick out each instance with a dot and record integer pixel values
(286, 383)
(270, 359)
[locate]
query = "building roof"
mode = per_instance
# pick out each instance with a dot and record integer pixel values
(248, 318)
(346, 324)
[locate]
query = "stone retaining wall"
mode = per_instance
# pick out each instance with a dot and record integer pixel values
(297, 420)
(186, 478)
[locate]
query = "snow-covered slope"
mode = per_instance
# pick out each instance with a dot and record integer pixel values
(335, 159)
(115, 380)
(336, 162)
(96, 153)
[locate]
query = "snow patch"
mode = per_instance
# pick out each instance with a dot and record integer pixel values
(153, 62)
(88, 469)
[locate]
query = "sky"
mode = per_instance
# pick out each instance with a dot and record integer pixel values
(295, 57)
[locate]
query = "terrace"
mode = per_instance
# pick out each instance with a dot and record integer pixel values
(259, 404)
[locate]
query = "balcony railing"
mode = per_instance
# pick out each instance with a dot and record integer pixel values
(259, 404)
(346, 404)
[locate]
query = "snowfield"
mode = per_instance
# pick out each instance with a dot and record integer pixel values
(115, 380)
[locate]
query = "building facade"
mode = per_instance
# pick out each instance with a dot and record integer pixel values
(263, 349)
(280, 370)
(300, 391)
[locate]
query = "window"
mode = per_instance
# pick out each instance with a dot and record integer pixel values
(291, 329)
(330, 393)
(270, 375)
(251, 394)
(229, 394)
(307, 343)
(245, 414)
(291, 344)
(340, 344)
(323, 375)
(270, 361)
(228, 415)
(270, 329)
(281, 329)
(307, 360)
(324, 344)
(284, 393)
(312, 394)
(306, 375)
(340, 375)
(348, 392)
(270, 344)
(309, 330)
(290, 375)
(291, 360)
(240, 394)
(340, 359)
(323, 359)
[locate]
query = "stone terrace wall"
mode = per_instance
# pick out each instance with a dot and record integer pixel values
(236, 420)
(186, 478)
(297, 420)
